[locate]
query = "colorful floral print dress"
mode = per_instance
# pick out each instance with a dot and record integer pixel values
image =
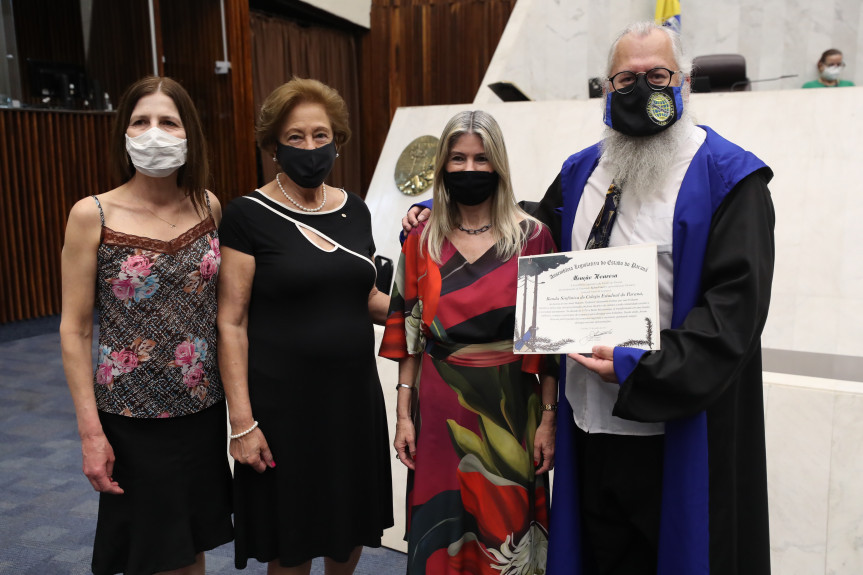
(474, 503)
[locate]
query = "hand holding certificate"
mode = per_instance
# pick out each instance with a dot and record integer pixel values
(569, 302)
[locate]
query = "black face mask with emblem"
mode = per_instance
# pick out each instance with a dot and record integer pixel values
(644, 111)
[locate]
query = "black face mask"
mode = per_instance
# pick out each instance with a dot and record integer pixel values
(307, 168)
(470, 188)
(643, 112)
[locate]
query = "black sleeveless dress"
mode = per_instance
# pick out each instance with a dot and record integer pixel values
(313, 385)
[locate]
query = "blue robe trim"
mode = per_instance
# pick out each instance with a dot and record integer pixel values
(684, 541)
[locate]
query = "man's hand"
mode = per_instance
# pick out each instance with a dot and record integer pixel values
(413, 218)
(602, 362)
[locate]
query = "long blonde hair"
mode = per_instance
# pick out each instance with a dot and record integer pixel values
(509, 236)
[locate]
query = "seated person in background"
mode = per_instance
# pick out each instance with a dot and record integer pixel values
(830, 66)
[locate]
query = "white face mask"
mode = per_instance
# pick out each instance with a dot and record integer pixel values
(831, 73)
(156, 153)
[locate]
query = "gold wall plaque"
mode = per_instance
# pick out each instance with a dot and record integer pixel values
(415, 166)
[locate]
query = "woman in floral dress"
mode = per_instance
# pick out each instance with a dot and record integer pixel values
(152, 419)
(477, 429)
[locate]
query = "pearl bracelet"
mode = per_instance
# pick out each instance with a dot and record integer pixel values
(242, 433)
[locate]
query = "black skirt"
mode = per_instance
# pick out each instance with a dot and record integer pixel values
(177, 500)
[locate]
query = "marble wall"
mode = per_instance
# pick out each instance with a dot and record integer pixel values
(551, 47)
(814, 432)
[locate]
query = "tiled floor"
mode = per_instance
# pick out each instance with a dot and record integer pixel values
(47, 507)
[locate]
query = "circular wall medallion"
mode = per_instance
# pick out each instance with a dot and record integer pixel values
(415, 166)
(660, 108)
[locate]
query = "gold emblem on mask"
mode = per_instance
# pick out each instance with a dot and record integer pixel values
(415, 167)
(660, 108)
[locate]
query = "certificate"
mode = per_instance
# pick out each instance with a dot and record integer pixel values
(569, 302)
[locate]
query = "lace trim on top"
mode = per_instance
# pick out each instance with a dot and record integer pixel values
(115, 238)
(171, 247)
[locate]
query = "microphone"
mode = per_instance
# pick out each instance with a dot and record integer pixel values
(748, 81)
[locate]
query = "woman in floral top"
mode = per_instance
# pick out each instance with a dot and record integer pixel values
(152, 419)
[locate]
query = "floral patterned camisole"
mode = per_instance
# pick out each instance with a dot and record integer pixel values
(157, 323)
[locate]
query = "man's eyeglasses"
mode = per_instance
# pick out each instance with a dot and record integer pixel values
(657, 79)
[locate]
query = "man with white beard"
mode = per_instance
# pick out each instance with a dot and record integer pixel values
(660, 459)
(664, 468)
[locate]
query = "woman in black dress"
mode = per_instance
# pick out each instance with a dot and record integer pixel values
(296, 349)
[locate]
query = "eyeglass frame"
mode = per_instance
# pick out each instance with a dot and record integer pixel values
(654, 87)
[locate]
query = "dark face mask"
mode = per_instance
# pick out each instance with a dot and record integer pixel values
(470, 188)
(643, 112)
(307, 168)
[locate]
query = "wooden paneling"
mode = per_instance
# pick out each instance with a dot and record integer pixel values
(423, 53)
(119, 46)
(418, 52)
(239, 150)
(192, 42)
(48, 160)
(116, 52)
(283, 48)
(49, 31)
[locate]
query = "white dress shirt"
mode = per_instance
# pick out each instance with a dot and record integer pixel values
(640, 220)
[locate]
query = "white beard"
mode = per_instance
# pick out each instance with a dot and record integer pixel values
(641, 164)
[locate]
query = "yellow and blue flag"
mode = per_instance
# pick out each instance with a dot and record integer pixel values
(668, 14)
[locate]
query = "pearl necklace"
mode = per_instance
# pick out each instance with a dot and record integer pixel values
(293, 201)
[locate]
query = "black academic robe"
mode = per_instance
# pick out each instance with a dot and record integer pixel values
(709, 370)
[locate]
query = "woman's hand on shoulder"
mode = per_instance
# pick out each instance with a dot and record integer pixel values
(252, 450)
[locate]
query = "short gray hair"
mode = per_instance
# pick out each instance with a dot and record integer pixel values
(645, 28)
